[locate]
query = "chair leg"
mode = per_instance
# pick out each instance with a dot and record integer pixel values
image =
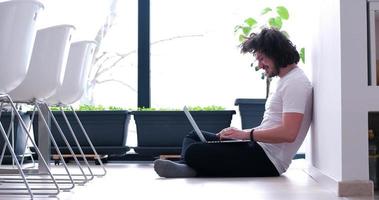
(12, 133)
(55, 146)
(89, 142)
(26, 141)
(70, 149)
(8, 134)
(23, 126)
(59, 180)
(17, 164)
(76, 142)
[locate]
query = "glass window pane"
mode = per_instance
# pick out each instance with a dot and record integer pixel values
(195, 59)
(113, 77)
(115, 74)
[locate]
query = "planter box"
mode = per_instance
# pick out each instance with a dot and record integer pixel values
(162, 132)
(107, 130)
(20, 136)
(251, 111)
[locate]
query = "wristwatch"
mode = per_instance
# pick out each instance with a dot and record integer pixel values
(252, 135)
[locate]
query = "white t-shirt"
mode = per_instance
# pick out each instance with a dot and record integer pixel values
(292, 94)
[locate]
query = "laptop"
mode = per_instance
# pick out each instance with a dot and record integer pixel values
(200, 134)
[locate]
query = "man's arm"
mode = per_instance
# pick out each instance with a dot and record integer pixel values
(286, 132)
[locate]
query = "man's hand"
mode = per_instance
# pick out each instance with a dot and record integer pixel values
(233, 133)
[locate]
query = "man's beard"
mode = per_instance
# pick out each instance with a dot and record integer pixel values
(274, 72)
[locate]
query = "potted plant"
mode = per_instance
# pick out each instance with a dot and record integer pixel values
(251, 110)
(106, 127)
(161, 131)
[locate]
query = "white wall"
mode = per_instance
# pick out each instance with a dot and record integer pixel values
(341, 96)
(326, 77)
(354, 94)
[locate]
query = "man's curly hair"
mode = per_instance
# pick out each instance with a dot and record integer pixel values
(274, 44)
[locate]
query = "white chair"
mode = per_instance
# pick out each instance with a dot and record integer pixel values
(49, 57)
(44, 75)
(75, 78)
(47, 65)
(80, 57)
(17, 33)
(73, 86)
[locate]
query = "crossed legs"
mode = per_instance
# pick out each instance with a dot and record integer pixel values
(217, 160)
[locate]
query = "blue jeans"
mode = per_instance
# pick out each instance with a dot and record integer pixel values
(245, 159)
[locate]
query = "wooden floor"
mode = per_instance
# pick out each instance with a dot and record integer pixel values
(139, 181)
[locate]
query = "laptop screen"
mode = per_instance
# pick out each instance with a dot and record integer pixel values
(194, 125)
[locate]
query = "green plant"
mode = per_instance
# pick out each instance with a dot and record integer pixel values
(56, 108)
(206, 108)
(115, 108)
(191, 108)
(156, 109)
(86, 107)
(269, 17)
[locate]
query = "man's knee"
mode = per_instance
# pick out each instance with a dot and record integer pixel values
(194, 152)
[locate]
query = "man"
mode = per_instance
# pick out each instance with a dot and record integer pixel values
(275, 141)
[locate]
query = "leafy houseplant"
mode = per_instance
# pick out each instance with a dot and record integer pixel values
(106, 127)
(252, 110)
(161, 131)
(273, 18)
